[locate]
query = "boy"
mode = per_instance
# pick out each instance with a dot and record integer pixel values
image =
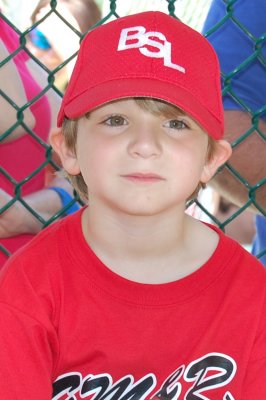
(135, 299)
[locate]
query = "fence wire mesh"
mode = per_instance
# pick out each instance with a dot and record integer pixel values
(192, 13)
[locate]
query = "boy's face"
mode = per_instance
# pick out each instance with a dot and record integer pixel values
(140, 163)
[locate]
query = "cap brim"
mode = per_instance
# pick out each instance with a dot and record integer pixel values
(141, 87)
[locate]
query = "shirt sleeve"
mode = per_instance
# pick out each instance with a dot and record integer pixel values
(254, 383)
(28, 338)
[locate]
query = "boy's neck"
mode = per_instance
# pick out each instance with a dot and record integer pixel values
(150, 249)
(134, 235)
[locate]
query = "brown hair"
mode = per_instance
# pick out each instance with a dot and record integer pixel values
(154, 106)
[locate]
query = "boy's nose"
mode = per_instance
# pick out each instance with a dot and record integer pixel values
(145, 143)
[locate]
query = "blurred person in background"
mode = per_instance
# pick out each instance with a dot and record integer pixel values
(21, 80)
(54, 42)
(21, 154)
(234, 47)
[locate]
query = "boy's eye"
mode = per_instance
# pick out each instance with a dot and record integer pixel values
(115, 120)
(176, 124)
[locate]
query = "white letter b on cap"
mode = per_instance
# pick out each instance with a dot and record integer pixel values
(138, 36)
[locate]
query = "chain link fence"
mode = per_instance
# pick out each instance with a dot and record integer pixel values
(192, 13)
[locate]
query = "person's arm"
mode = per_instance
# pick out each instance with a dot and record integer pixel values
(46, 203)
(12, 86)
(248, 159)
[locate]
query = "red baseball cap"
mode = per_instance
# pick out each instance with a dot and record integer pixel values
(150, 54)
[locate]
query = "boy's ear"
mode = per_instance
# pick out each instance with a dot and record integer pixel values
(67, 156)
(220, 155)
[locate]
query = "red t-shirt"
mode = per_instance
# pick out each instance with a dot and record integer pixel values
(69, 321)
(21, 157)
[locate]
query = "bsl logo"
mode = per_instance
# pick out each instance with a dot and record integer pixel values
(141, 38)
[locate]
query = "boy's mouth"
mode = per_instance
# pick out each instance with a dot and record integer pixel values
(143, 177)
